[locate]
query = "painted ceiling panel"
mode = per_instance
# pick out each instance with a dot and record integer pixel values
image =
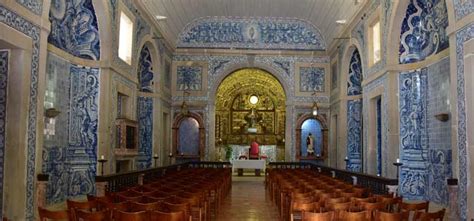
(321, 13)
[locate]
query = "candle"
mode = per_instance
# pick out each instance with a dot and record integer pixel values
(156, 155)
(347, 158)
(398, 160)
(102, 157)
(171, 154)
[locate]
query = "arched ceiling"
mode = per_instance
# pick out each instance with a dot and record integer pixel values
(321, 13)
(247, 82)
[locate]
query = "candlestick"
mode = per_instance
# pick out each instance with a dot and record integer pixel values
(346, 159)
(156, 158)
(102, 161)
(398, 164)
(170, 155)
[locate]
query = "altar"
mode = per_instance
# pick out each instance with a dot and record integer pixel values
(269, 151)
(258, 165)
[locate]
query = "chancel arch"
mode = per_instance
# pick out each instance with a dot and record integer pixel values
(251, 106)
(276, 72)
(315, 128)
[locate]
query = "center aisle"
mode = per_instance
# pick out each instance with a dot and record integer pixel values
(247, 202)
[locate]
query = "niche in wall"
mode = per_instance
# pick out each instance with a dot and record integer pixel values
(316, 125)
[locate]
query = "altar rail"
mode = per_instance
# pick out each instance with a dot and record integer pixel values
(119, 181)
(377, 184)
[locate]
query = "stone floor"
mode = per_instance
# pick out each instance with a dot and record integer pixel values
(248, 201)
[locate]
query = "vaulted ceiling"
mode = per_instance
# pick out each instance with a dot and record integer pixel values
(321, 13)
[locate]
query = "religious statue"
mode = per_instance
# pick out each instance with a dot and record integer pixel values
(310, 144)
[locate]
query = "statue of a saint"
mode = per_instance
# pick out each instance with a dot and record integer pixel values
(310, 144)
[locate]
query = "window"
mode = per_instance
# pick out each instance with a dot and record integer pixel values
(125, 38)
(374, 35)
(376, 41)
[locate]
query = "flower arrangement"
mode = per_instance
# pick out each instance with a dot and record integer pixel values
(228, 152)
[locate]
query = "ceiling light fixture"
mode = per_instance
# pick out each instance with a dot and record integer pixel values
(341, 22)
(160, 17)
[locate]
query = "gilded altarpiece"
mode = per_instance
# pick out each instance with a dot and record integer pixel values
(234, 108)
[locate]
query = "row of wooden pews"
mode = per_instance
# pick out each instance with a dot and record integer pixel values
(192, 194)
(306, 194)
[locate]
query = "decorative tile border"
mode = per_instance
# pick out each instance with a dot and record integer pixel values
(462, 36)
(463, 8)
(17, 22)
(36, 6)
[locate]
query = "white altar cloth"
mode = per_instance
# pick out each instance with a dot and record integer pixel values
(248, 164)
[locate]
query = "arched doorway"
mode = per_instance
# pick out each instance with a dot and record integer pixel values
(250, 106)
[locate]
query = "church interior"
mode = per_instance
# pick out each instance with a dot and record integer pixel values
(236, 110)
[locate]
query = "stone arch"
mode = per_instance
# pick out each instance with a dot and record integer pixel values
(325, 136)
(105, 29)
(279, 75)
(394, 26)
(202, 134)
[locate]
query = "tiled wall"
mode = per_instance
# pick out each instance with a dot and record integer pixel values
(33, 31)
(251, 33)
(70, 144)
(145, 132)
(354, 135)
(74, 28)
(462, 36)
(379, 134)
(145, 70)
(423, 30)
(439, 133)
(425, 141)
(4, 59)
